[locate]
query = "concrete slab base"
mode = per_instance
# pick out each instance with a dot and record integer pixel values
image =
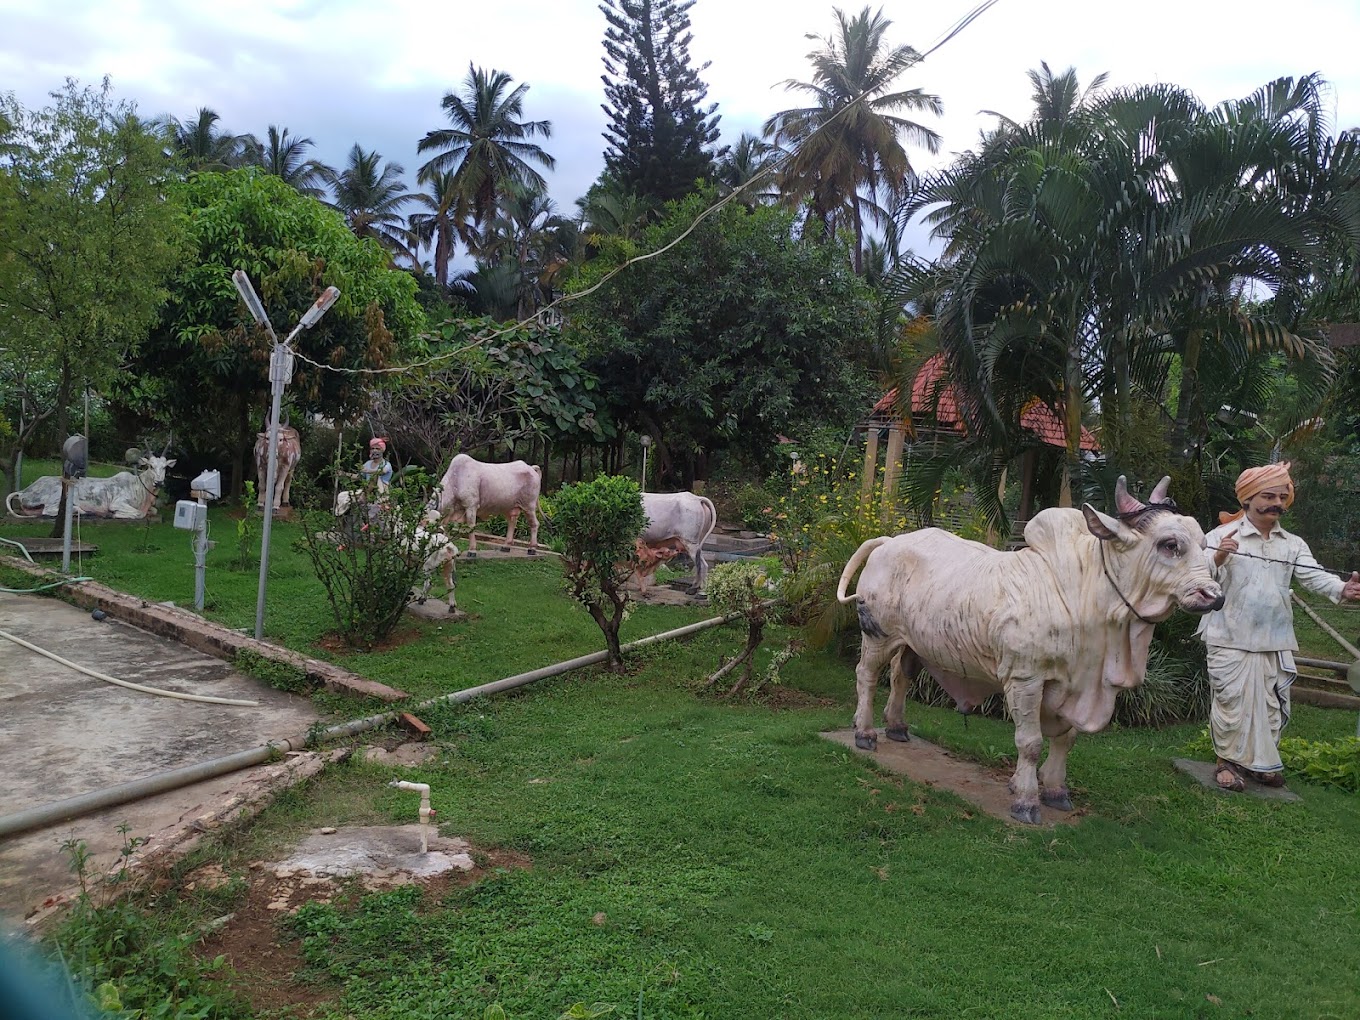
(438, 610)
(1203, 773)
(379, 856)
(931, 765)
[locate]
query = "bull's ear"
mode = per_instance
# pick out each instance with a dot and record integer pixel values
(1105, 528)
(169, 463)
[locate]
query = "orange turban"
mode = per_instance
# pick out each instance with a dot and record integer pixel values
(1258, 479)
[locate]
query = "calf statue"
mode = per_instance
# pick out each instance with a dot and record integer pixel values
(126, 496)
(1061, 626)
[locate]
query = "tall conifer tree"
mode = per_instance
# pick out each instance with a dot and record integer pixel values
(660, 137)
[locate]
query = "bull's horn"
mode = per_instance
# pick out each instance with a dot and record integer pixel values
(1123, 502)
(1159, 494)
(168, 441)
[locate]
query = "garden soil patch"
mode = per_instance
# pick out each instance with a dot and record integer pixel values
(334, 641)
(933, 766)
(271, 973)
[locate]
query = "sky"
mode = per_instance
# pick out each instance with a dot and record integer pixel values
(345, 71)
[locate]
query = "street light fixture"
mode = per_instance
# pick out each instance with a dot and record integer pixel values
(280, 372)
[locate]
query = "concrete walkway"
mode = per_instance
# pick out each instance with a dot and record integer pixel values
(63, 733)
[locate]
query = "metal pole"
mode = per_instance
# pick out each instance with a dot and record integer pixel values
(200, 556)
(19, 457)
(68, 487)
(280, 369)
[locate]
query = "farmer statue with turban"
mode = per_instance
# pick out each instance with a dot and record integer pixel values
(377, 468)
(1251, 639)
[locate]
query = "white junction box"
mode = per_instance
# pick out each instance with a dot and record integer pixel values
(190, 516)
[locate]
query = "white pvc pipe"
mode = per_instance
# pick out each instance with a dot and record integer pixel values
(424, 790)
(207, 700)
(111, 796)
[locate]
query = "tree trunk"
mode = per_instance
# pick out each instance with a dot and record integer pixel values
(63, 403)
(1123, 399)
(1072, 424)
(1180, 433)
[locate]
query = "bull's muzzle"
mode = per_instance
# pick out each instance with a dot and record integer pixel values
(1207, 598)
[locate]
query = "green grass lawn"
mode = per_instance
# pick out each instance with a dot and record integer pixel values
(690, 858)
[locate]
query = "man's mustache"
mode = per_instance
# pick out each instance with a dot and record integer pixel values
(1272, 510)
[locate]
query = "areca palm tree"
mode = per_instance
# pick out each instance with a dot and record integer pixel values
(746, 163)
(202, 145)
(284, 156)
(371, 196)
(1111, 233)
(488, 144)
(847, 148)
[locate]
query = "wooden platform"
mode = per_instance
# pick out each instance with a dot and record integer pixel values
(38, 547)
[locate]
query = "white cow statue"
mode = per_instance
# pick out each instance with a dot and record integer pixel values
(472, 490)
(1061, 627)
(685, 518)
(126, 496)
(287, 457)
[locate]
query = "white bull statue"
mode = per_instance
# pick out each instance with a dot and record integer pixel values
(472, 490)
(127, 496)
(1060, 627)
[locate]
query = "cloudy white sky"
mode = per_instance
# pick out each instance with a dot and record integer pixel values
(346, 71)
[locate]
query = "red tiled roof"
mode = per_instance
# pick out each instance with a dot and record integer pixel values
(930, 392)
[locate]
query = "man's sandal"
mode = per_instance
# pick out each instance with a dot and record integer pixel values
(1274, 779)
(1227, 778)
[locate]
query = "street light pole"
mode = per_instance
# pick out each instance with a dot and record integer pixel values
(646, 444)
(280, 372)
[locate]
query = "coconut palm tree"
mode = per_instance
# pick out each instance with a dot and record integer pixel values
(488, 144)
(443, 221)
(847, 148)
(371, 196)
(609, 210)
(202, 145)
(284, 156)
(749, 162)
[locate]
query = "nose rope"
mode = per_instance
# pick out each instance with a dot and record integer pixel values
(1110, 578)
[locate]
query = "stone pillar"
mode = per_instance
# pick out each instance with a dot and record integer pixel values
(891, 470)
(870, 464)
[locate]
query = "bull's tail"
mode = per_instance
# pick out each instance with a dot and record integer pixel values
(852, 568)
(17, 511)
(712, 519)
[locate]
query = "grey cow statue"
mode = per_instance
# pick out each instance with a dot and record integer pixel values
(127, 496)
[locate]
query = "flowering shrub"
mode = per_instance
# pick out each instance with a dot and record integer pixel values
(744, 587)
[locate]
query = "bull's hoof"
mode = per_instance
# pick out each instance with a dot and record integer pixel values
(1059, 799)
(531, 552)
(471, 554)
(1026, 813)
(505, 548)
(866, 742)
(898, 733)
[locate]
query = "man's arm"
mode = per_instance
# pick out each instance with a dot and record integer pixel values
(1313, 576)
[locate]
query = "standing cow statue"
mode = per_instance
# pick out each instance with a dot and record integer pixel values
(472, 490)
(1061, 627)
(681, 518)
(289, 453)
(126, 496)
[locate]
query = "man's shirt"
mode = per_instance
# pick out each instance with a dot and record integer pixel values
(1257, 615)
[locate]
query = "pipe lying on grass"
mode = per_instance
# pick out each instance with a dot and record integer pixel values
(86, 803)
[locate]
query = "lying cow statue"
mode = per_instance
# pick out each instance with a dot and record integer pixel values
(472, 490)
(1061, 627)
(126, 496)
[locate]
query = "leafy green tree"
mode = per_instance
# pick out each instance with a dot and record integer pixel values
(488, 145)
(660, 138)
(204, 367)
(88, 236)
(371, 196)
(285, 157)
(599, 522)
(847, 150)
(740, 333)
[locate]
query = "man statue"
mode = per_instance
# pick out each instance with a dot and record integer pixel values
(1251, 639)
(377, 468)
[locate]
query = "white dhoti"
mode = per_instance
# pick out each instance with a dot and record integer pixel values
(1250, 705)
